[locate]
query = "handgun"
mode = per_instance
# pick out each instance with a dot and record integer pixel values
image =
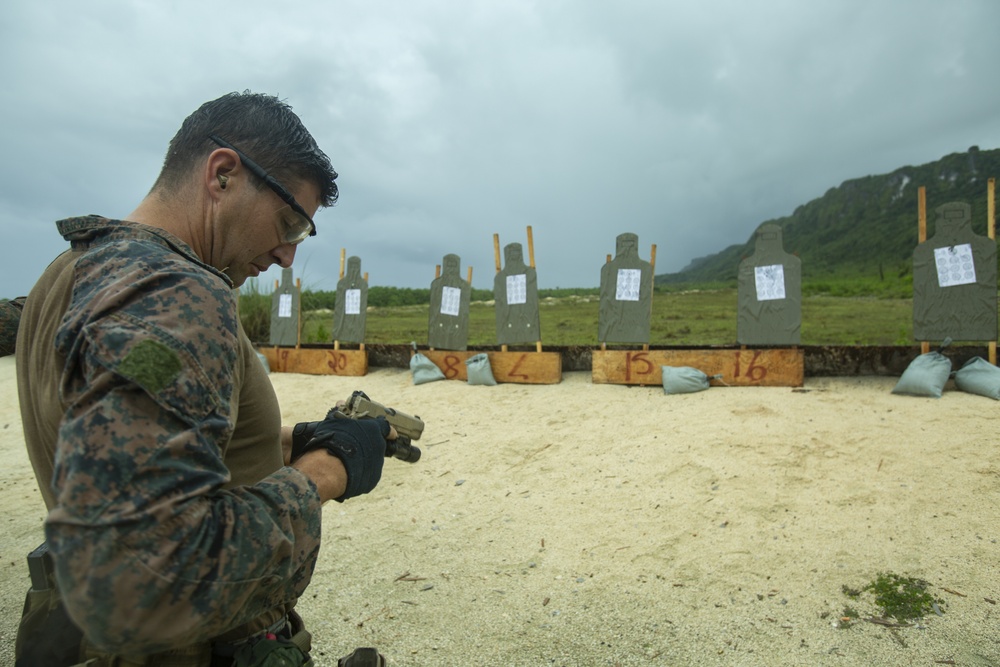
(359, 406)
(408, 427)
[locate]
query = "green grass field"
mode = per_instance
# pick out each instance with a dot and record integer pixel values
(706, 317)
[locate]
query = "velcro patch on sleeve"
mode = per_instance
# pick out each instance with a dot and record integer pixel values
(152, 365)
(152, 360)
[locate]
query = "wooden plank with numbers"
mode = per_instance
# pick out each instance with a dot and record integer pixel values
(509, 367)
(738, 367)
(352, 363)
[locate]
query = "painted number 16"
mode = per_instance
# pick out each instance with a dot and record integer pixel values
(753, 372)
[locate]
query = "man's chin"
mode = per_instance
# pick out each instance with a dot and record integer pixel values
(237, 278)
(240, 277)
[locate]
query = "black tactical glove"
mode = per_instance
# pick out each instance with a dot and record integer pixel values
(358, 443)
(302, 433)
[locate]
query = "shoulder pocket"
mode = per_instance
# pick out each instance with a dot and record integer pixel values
(156, 362)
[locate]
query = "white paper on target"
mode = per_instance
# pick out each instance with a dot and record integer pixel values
(517, 289)
(451, 301)
(627, 287)
(770, 282)
(352, 302)
(954, 265)
(284, 305)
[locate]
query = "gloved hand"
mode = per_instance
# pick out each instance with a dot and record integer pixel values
(302, 433)
(358, 443)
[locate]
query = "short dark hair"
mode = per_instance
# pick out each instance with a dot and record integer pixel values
(263, 127)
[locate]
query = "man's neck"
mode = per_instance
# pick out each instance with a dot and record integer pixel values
(168, 215)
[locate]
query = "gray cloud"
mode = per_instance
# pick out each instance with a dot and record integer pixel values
(686, 123)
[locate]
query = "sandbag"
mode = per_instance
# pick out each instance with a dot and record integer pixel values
(925, 376)
(683, 380)
(424, 370)
(978, 376)
(478, 370)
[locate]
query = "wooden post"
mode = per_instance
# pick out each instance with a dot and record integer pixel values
(925, 346)
(437, 274)
(340, 276)
(921, 214)
(607, 260)
(991, 231)
(531, 263)
(652, 285)
(496, 251)
(298, 334)
(991, 208)
(496, 260)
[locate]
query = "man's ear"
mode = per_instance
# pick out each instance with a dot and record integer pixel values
(222, 164)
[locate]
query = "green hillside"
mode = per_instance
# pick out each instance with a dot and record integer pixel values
(865, 228)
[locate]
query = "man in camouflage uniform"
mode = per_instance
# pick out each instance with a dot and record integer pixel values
(180, 524)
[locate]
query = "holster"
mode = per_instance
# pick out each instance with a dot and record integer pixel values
(47, 637)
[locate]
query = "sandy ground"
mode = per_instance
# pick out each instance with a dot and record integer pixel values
(583, 524)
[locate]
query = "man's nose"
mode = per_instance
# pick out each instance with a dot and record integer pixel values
(285, 254)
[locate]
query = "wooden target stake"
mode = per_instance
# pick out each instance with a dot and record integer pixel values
(925, 346)
(991, 224)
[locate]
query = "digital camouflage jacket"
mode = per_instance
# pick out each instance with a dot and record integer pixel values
(154, 433)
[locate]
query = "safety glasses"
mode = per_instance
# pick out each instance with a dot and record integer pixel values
(296, 223)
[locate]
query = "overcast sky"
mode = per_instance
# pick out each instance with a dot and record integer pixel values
(687, 123)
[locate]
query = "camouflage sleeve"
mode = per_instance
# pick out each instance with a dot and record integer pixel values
(10, 318)
(151, 553)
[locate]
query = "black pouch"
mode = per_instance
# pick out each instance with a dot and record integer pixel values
(46, 637)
